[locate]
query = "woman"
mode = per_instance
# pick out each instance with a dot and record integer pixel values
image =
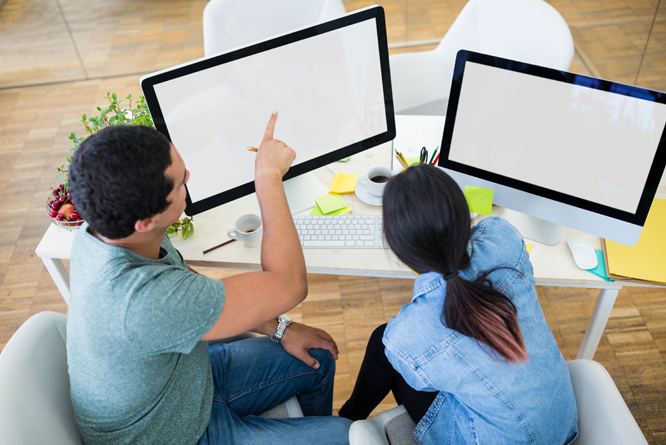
(471, 357)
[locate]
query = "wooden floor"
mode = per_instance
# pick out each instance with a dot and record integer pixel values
(58, 58)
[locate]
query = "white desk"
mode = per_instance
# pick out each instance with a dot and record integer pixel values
(553, 265)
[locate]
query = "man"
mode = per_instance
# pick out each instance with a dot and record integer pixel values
(141, 370)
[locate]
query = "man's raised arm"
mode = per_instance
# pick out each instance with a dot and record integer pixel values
(254, 298)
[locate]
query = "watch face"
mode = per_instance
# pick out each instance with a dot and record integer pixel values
(285, 317)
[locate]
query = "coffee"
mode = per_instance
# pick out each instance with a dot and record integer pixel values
(250, 231)
(379, 179)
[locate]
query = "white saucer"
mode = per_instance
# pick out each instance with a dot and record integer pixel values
(364, 195)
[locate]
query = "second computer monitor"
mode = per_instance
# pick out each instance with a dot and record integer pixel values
(570, 149)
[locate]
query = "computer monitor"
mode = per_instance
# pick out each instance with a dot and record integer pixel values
(330, 84)
(565, 148)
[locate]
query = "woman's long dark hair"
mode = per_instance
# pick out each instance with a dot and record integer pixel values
(427, 225)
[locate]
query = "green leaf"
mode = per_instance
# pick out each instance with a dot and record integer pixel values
(170, 230)
(114, 96)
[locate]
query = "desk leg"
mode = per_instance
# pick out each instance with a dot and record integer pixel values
(597, 324)
(59, 275)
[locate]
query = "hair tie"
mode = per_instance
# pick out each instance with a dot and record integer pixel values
(451, 275)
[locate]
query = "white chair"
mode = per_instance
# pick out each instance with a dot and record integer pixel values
(228, 24)
(603, 417)
(35, 405)
(529, 31)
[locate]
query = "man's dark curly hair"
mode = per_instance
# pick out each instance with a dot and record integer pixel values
(117, 177)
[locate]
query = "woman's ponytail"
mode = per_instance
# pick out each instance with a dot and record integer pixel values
(478, 311)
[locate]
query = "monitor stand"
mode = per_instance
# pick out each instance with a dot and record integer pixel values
(534, 228)
(302, 190)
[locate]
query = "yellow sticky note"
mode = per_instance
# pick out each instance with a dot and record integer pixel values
(646, 260)
(330, 203)
(479, 199)
(528, 246)
(343, 183)
(317, 211)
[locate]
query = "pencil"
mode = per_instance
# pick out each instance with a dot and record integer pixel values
(432, 159)
(401, 156)
(404, 165)
(218, 246)
(436, 159)
(252, 149)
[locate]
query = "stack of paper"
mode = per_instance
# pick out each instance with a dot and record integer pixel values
(647, 259)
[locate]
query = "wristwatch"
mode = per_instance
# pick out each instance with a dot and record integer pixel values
(284, 320)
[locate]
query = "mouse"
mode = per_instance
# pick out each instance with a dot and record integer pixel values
(583, 252)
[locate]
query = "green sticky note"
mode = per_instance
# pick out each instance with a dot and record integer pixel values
(412, 161)
(600, 270)
(317, 211)
(345, 159)
(479, 199)
(330, 203)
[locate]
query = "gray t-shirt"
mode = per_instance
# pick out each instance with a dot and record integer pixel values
(138, 372)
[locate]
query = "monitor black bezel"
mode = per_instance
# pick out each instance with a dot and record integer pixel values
(658, 163)
(148, 87)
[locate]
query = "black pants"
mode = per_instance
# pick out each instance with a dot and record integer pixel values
(376, 378)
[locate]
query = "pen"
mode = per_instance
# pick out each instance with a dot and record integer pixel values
(252, 149)
(404, 165)
(402, 156)
(433, 155)
(219, 245)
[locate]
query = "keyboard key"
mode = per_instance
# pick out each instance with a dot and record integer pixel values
(367, 237)
(350, 243)
(369, 244)
(324, 244)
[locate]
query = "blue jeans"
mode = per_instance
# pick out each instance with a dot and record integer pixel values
(251, 376)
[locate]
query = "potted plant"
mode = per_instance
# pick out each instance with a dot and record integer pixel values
(59, 206)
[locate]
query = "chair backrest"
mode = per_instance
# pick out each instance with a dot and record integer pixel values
(529, 31)
(35, 405)
(603, 416)
(228, 24)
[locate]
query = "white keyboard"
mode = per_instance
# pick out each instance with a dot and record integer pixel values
(354, 232)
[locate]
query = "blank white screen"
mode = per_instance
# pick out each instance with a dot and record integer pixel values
(583, 142)
(327, 90)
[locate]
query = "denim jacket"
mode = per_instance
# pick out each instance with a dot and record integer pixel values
(484, 400)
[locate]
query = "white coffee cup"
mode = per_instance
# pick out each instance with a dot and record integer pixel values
(247, 228)
(375, 186)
